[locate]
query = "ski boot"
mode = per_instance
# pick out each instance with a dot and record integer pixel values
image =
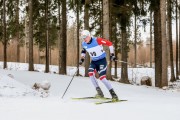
(113, 94)
(99, 93)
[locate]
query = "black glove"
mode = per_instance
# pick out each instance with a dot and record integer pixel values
(112, 57)
(81, 61)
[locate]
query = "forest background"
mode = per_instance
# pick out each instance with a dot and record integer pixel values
(41, 31)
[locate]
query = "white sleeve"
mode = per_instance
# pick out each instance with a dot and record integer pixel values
(111, 48)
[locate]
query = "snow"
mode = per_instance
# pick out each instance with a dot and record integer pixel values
(18, 101)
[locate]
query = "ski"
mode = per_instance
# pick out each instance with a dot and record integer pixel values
(83, 98)
(109, 101)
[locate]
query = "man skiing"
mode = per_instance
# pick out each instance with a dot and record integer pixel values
(94, 47)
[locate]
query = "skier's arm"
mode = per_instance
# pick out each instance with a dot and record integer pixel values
(106, 42)
(83, 54)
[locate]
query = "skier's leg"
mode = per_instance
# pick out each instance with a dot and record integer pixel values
(109, 87)
(94, 80)
(102, 74)
(105, 81)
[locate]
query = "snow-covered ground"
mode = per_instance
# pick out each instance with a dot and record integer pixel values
(19, 102)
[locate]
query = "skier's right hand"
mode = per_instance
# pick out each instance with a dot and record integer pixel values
(112, 57)
(81, 61)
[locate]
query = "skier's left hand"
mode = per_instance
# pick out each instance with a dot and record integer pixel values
(81, 61)
(112, 57)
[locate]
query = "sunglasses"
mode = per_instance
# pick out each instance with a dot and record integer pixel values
(84, 37)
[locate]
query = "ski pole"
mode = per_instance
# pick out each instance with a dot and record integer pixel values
(70, 82)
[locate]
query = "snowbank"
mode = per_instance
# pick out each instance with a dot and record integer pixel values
(9, 87)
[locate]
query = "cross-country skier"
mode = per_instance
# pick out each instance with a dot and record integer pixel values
(94, 47)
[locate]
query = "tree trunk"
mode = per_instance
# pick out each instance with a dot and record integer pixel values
(60, 34)
(63, 42)
(151, 39)
(135, 42)
(116, 53)
(106, 34)
(135, 37)
(47, 37)
(157, 47)
(179, 37)
(4, 35)
(31, 62)
(17, 46)
(164, 80)
(169, 38)
(26, 38)
(177, 55)
(86, 25)
(77, 10)
(124, 73)
(101, 17)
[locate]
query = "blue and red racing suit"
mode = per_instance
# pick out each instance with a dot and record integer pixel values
(97, 54)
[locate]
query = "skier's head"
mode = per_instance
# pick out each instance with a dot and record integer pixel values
(86, 36)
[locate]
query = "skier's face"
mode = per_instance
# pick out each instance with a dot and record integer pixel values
(86, 39)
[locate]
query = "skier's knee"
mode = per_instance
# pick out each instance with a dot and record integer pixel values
(91, 72)
(102, 77)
